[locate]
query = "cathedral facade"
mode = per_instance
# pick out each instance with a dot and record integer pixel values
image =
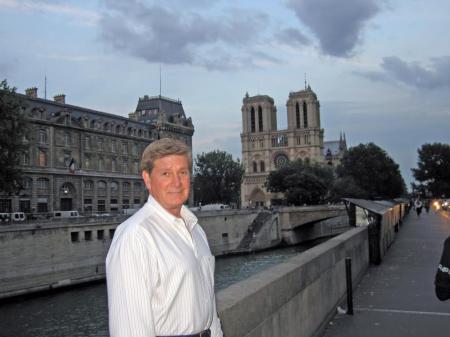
(265, 149)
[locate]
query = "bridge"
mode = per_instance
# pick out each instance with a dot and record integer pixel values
(300, 297)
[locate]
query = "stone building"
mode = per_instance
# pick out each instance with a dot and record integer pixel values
(87, 160)
(265, 149)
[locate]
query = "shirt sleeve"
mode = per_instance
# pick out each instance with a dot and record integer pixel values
(216, 328)
(128, 273)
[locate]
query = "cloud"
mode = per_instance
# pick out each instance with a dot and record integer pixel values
(158, 34)
(337, 24)
(413, 74)
(416, 75)
(293, 36)
(52, 7)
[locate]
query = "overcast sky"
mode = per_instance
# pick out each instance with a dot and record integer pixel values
(381, 69)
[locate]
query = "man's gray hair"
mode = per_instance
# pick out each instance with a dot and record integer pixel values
(162, 148)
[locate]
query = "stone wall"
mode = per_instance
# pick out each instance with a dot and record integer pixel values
(295, 298)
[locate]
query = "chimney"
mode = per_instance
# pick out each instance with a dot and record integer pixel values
(60, 98)
(31, 92)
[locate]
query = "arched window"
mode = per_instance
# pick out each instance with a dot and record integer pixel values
(137, 187)
(255, 167)
(114, 187)
(92, 124)
(118, 129)
(260, 119)
(262, 166)
(27, 183)
(101, 164)
(305, 115)
(42, 183)
(297, 115)
(101, 185)
(252, 120)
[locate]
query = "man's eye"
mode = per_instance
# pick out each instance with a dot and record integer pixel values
(165, 174)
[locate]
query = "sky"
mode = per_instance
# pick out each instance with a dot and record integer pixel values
(380, 68)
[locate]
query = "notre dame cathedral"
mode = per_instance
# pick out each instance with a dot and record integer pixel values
(265, 149)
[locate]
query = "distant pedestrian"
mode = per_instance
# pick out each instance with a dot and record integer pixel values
(427, 205)
(418, 206)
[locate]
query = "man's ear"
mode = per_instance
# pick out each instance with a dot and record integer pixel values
(146, 178)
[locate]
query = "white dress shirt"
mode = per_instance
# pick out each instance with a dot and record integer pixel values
(160, 276)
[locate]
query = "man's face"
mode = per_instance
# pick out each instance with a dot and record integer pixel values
(169, 182)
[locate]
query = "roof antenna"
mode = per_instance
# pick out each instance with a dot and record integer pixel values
(45, 86)
(305, 81)
(160, 87)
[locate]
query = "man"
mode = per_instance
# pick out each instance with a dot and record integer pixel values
(159, 268)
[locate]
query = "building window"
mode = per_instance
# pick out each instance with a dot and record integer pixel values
(135, 167)
(135, 149)
(305, 115)
(297, 115)
(42, 183)
(260, 119)
(114, 187)
(101, 206)
(87, 142)
(88, 185)
(262, 166)
(100, 234)
(25, 158)
(67, 158)
(125, 203)
(124, 148)
(113, 146)
(125, 165)
(42, 158)
(75, 237)
(67, 139)
(126, 187)
(137, 187)
(137, 202)
(87, 162)
(101, 164)
(88, 201)
(252, 120)
(101, 188)
(43, 136)
(111, 233)
(113, 165)
(88, 235)
(255, 167)
(27, 183)
(100, 144)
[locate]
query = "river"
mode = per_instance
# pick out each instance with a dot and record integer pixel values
(83, 311)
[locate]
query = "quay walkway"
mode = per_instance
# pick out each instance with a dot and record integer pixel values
(397, 297)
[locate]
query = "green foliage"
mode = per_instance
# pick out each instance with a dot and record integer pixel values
(301, 183)
(367, 171)
(433, 169)
(217, 178)
(13, 127)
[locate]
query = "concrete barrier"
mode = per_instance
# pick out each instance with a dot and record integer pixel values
(295, 298)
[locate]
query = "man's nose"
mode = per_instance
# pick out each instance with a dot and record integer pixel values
(176, 180)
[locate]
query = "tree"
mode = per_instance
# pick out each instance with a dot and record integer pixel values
(13, 128)
(217, 178)
(370, 173)
(433, 169)
(301, 183)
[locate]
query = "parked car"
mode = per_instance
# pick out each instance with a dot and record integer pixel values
(12, 217)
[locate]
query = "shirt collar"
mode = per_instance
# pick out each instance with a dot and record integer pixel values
(189, 218)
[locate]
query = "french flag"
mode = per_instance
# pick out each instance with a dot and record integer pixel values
(72, 166)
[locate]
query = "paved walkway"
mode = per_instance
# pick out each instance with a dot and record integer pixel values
(397, 297)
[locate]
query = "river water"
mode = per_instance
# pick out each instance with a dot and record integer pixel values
(83, 311)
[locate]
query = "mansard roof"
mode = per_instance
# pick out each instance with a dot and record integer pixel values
(156, 103)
